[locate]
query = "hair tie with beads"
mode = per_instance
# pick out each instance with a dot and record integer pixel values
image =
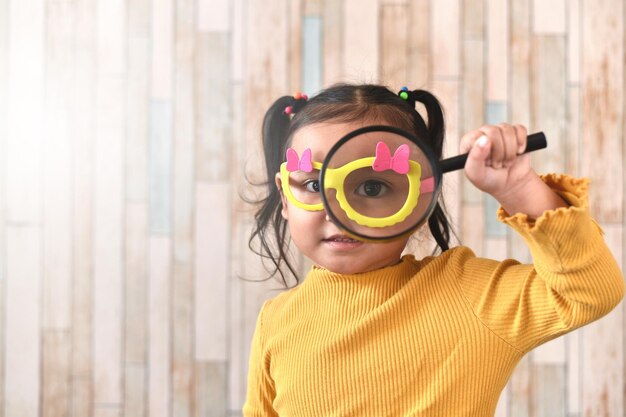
(299, 100)
(407, 95)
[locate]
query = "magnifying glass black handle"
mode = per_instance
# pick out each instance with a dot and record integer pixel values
(534, 142)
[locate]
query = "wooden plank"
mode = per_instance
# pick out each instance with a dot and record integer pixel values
(449, 95)
(84, 92)
(55, 375)
(211, 393)
(548, 391)
(25, 110)
(495, 248)
(267, 25)
(214, 107)
(333, 18)
(419, 55)
(573, 137)
(111, 40)
(493, 228)
(313, 8)
(213, 16)
(108, 222)
(574, 378)
(107, 411)
(212, 271)
(445, 40)
(550, 353)
(394, 46)
(294, 44)
(135, 388)
(136, 284)
(22, 359)
(312, 55)
(520, 61)
(183, 212)
(602, 94)
(162, 49)
(82, 397)
(574, 45)
(360, 41)
(497, 50)
(549, 100)
(549, 17)
(472, 227)
(238, 38)
(473, 104)
(159, 324)
(138, 119)
(603, 351)
(57, 154)
(160, 166)
(473, 20)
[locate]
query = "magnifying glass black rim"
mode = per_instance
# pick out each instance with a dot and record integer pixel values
(380, 128)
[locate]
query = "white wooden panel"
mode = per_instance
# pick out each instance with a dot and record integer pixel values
(213, 15)
(552, 353)
(23, 322)
(574, 44)
(549, 16)
(574, 381)
(394, 46)
(497, 50)
(360, 40)
(136, 284)
(212, 270)
(25, 110)
(238, 37)
(57, 157)
(111, 27)
(159, 382)
(56, 351)
(603, 94)
(162, 48)
(333, 44)
(84, 92)
(108, 241)
(446, 26)
(294, 44)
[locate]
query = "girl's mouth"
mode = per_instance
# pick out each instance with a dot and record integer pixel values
(342, 242)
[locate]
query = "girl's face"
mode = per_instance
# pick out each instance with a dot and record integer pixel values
(311, 231)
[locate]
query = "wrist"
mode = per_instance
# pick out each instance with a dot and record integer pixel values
(530, 196)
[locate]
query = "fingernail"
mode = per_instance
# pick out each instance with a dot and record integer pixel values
(482, 141)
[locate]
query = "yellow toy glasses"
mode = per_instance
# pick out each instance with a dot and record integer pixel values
(365, 190)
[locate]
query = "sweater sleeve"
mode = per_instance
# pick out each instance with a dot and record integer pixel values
(573, 281)
(261, 390)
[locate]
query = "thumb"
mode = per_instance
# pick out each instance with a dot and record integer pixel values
(477, 159)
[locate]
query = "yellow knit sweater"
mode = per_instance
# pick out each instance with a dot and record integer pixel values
(435, 337)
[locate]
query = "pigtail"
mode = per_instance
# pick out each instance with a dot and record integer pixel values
(437, 222)
(270, 226)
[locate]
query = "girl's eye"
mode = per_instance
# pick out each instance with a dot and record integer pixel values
(372, 188)
(312, 186)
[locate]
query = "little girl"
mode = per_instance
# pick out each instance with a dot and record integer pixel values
(372, 333)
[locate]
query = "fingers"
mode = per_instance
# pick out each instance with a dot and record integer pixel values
(506, 142)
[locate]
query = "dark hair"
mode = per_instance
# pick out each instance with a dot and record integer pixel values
(340, 103)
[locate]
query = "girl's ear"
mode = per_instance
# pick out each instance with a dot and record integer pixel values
(283, 199)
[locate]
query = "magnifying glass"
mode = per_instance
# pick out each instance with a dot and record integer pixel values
(381, 183)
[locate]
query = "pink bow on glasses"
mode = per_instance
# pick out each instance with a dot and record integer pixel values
(299, 164)
(399, 162)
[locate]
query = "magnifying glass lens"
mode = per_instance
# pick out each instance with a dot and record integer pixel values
(379, 183)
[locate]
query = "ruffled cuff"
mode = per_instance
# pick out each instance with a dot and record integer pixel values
(560, 239)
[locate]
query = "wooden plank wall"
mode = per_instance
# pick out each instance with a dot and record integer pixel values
(127, 131)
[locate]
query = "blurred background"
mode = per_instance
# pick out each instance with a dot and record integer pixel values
(127, 128)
